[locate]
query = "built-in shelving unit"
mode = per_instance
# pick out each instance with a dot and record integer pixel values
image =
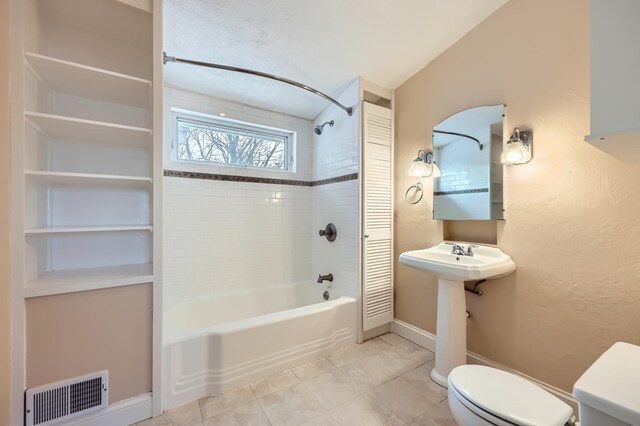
(86, 155)
(88, 145)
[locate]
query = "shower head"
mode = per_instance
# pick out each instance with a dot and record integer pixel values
(318, 129)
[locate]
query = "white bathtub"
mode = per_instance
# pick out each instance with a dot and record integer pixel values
(215, 345)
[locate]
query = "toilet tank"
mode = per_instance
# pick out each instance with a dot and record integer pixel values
(609, 391)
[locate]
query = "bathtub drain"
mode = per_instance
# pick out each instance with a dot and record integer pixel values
(325, 295)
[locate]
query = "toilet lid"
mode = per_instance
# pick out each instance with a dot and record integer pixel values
(508, 396)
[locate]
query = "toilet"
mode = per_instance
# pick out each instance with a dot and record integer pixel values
(608, 394)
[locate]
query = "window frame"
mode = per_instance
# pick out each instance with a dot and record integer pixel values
(194, 117)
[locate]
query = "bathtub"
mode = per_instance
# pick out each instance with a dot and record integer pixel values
(222, 343)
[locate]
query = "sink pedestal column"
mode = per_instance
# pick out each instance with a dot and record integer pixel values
(451, 336)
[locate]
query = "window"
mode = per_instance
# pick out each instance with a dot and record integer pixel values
(212, 140)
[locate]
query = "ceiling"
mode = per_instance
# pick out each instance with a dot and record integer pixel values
(321, 44)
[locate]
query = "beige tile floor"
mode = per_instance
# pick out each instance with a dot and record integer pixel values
(384, 381)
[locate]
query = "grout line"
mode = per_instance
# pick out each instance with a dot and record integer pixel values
(260, 404)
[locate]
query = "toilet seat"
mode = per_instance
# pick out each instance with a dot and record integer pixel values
(502, 398)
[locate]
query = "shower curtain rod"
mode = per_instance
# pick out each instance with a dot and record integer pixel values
(166, 58)
(460, 134)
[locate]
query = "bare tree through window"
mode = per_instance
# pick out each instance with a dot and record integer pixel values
(211, 143)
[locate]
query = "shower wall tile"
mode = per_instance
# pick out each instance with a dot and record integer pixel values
(335, 153)
(338, 204)
(222, 237)
(226, 236)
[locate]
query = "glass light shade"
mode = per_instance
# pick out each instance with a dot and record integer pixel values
(419, 169)
(515, 153)
(436, 170)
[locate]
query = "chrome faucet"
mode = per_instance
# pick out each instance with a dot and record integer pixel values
(458, 250)
(328, 277)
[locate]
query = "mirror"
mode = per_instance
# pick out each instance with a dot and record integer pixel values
(467, 148)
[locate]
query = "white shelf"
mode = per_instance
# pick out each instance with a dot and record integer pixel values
(88, 130)
(59, 282)
(72, 230)
(47, 177)
(90, 82)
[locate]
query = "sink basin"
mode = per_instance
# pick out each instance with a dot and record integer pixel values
(452, 271)
(486, 262)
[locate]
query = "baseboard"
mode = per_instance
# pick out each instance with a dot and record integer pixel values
(414, 334)
(122, 413)
(428, 341)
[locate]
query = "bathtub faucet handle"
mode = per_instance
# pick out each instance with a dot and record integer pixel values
(328, 277)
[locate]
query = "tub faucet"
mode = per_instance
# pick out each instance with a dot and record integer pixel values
(328, 277)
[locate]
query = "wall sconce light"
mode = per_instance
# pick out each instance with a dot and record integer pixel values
(424, 166)
(519, 148)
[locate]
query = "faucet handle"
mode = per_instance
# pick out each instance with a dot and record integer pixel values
(469, 249)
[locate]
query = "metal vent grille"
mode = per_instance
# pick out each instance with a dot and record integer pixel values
(51, 403)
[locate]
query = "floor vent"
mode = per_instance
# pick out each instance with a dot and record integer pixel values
(49, 404)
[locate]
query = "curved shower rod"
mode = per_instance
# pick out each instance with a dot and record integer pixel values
(166, 58)
(460, 134)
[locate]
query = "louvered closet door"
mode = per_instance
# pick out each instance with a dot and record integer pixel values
(377, 217)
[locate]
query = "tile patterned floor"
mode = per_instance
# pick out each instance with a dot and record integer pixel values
(384, 381)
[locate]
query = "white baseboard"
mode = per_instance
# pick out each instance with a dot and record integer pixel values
(414, 334)
(428, 341)
(122, 413)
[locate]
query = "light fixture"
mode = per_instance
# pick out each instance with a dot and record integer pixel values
(518, 149)
(424, 166)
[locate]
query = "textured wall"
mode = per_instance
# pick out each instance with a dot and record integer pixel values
(5, 169)
(572, 224)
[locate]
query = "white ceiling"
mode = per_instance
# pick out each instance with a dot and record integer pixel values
(324, 44)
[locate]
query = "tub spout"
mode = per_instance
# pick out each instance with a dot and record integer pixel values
(328, 277)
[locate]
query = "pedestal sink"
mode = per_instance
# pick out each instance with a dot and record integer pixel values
(452, 270)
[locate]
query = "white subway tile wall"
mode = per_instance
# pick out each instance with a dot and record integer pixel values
(336, 153)
(228, 236)
(222, 237)
(338, 204)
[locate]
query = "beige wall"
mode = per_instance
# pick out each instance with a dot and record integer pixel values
(5, 169)
(79, 333)
(572, 214)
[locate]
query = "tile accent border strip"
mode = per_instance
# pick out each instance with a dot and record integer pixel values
(462, 191)
(252, 179)
(337, 179)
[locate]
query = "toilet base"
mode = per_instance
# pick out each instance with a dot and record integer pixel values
(438, 378)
